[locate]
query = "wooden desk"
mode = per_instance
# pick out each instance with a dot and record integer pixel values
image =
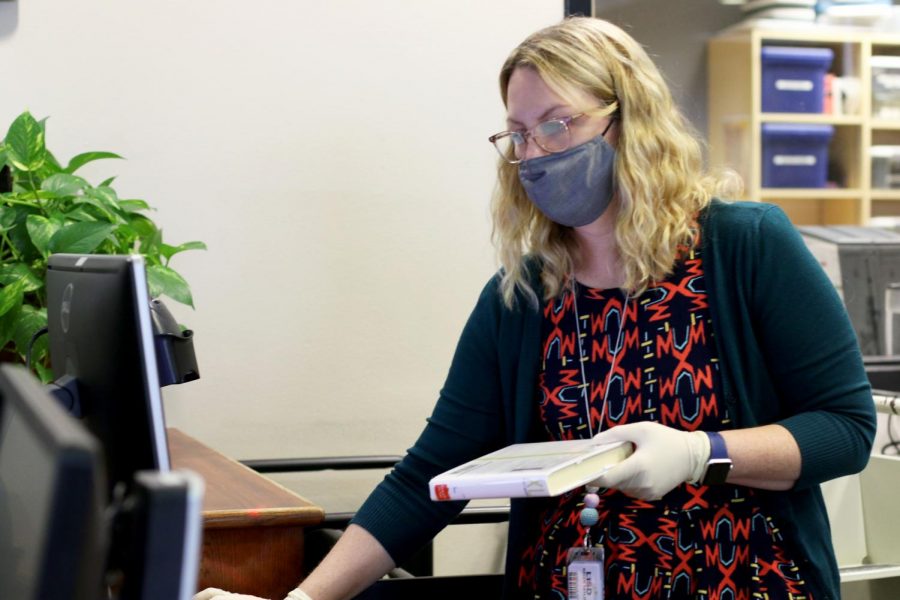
(252, 527)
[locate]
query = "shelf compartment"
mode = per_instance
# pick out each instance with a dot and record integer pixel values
(769, 194)
(885, 125)
(812, 119)
(811, 209)
(885, 194)
(736, 122)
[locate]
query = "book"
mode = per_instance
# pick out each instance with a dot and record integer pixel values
(538, 469)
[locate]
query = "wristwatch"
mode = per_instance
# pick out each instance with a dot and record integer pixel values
(719, 463)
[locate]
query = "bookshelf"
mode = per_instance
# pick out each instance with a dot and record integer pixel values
(736, 119)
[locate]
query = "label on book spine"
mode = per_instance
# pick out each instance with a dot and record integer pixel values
(442, 492)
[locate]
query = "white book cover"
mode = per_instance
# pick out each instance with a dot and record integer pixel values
(529, 470)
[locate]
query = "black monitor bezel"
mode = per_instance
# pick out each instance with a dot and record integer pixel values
(72, 553)
(147, 446)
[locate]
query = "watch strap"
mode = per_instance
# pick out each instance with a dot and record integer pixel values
(719, 464)
(717, 447)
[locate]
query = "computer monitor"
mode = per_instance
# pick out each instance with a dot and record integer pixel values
(98, 316)
(52, 497)
(161, 544)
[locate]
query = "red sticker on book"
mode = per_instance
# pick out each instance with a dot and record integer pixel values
(442, 492)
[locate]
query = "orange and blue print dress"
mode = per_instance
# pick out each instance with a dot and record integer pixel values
(714, 542)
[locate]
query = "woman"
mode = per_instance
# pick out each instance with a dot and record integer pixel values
(633, 306)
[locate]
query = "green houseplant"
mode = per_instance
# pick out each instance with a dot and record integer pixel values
(45, 208)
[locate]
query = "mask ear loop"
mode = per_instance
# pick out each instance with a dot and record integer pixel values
(609, 124)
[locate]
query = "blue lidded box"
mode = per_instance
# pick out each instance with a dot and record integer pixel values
(795, 155)
(793, 78)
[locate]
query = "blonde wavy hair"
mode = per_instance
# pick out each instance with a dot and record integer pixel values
(660, 175)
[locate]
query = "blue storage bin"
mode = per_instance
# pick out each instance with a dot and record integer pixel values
(795, 156)
(793, 78)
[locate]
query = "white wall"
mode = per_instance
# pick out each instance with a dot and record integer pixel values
(332, 155)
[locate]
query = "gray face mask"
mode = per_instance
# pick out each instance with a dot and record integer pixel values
(574, 187)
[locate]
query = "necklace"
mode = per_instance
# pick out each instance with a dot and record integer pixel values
(589, 515)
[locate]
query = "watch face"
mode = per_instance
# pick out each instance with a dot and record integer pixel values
(717, 471)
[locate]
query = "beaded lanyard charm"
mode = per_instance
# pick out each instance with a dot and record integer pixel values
(589, 515)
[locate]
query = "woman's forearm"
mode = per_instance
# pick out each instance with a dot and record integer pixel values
(356, 562)
(765, 457)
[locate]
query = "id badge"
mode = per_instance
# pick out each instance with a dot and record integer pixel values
(584, 567)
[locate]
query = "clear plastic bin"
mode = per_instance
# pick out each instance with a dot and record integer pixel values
(886, 87)
(891, 318)
(885, 167)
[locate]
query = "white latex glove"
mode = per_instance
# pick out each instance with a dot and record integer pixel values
(217, 594)
(663, 458)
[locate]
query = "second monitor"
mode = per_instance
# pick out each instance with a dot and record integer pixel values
(98, 314)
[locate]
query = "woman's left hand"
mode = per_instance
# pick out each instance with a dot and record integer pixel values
(663, 458)
(217, 594)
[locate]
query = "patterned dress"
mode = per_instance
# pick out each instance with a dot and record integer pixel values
(713, 542)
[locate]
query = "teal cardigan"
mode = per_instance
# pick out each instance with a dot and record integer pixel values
(788, 355)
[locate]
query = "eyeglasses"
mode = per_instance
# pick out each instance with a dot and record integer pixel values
(551, 136)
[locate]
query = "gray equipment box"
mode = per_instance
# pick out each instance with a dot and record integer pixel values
(862, 263)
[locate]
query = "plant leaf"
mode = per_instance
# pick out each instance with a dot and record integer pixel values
(80, 214)
(105, 194)
(142, 225)
(84, 158)
(40, 230)
(91, 200)
(63, 184)
(165, 281)
(150, 243)
(25, 143)
(44, 373)
(195, 245)
(8, 324)
(28, 322)
(108, 181)
(7, 217)
(13, 272)
(11, 296)
(167, 251)
(18, 235)
(133, 205)
(170, 251)
(50, 167)
(80, 238)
